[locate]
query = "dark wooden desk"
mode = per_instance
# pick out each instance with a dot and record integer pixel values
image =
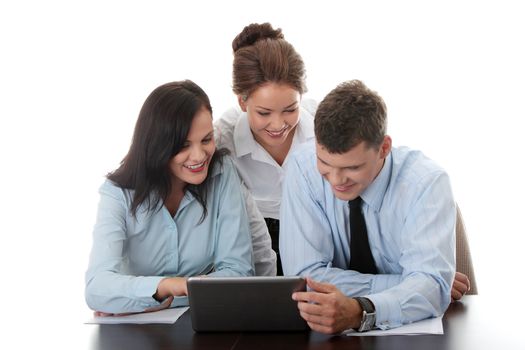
(475, 323)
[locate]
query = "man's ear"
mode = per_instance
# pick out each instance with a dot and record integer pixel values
(242, 102)
(385, 147)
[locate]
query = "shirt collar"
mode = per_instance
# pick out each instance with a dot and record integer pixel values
(243, 139)
(245, 143)
(305, 127)
(217, 169)
(375, 192)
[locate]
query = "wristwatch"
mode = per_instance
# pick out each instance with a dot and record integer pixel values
(368, 321)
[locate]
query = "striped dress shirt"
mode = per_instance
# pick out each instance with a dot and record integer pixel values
(410, 216)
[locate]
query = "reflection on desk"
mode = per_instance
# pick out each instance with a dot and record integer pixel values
(469, 324)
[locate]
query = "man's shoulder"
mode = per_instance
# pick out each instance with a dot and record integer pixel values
(413, 172)
(304, 154)
(413, 163)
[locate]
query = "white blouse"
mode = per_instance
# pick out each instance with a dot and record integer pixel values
(261, 174)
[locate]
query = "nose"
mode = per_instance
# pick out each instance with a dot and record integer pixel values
(276, 122)
(197, 153)
(335, 177)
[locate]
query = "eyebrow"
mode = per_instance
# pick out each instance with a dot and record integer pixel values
(210, 134)
(343, 167)
(268, 109)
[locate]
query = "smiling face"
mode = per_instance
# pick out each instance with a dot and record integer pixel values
(190, 165)
(350, 173)
(273, 114)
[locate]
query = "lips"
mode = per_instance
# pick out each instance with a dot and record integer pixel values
(195, 168)
(343, 188)
(277, 133)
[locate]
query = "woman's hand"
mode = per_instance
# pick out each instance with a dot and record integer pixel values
(171, 286)
(168, 288)
(164, 305)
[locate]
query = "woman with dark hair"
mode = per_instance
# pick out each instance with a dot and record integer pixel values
(272, 119)
(173, 209)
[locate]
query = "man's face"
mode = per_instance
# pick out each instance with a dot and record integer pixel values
(350, 173)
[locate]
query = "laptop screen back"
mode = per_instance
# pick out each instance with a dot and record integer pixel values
(245, 303)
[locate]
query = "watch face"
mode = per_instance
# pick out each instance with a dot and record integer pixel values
(369, 322)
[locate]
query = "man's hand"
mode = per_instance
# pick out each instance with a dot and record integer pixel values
(326, 309)
(460, 286)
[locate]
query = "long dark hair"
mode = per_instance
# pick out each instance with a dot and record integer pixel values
(161, 130)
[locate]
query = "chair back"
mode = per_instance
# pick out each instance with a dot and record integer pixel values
(463, 258)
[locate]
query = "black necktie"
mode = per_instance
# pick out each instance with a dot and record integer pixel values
(361, 258)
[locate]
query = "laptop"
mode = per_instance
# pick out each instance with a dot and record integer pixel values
(245, 303)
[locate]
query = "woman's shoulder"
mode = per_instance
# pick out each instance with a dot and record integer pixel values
(224, 164)
(225, 127)
(115, 191)
(309, 105)
(228, 119)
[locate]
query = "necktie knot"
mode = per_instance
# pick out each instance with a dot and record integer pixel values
(355, 203)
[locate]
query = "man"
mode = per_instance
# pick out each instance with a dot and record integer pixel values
(390, 259)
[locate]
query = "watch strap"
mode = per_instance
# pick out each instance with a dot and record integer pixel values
(366, 304)
(368, 319)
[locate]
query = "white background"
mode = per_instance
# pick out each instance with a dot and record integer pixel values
(74, 74)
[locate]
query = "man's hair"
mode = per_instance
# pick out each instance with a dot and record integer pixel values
(349, 114)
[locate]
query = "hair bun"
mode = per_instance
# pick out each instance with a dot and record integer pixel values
(254, 32)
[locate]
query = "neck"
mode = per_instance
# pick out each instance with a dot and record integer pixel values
(175, 197)
(279, 152)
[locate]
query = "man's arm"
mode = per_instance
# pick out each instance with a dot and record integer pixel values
(311, 245)
(421, 288)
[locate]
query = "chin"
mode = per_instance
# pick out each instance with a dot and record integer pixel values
(196, 180)
(345, 196)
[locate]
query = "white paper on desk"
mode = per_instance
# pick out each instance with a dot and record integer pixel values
(162, 316)
(428, 326)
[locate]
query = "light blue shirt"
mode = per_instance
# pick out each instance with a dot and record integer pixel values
(410, 217)
(130, 256)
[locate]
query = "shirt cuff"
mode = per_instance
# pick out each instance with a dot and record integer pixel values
(388, 311)
(146, 287)
(179, 301)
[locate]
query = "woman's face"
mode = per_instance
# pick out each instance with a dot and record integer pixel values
(191, 164)
(273, 113)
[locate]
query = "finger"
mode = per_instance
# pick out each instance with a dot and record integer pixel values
(320, 287)
(164, 305)
(126, 313)
(461, 287)
(309, 297)
(102, 314)
(312, 309)
(320, 328)
(461, 277)
(468, 284)
(318, 320)
(456, 294)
